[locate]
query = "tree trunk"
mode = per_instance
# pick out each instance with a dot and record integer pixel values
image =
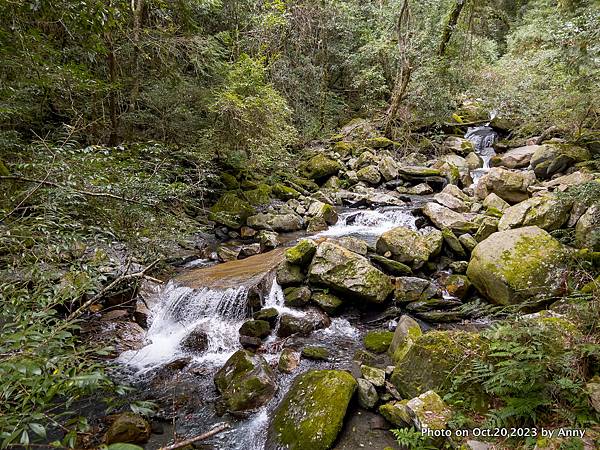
(137, 8)
(113, 138)
(451, 25)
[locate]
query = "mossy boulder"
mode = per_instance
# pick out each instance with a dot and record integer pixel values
(379, 142)
(267, 314)
(303, 325)
(433, 360)
(283, 192)
(404, 245)
(245, 382)
(407, 332)
(329, 303)
(428, 411)
(315, 353)
(230, 210)
(312, 413)
(555, 157)
(457, 286)
(128, 427)
(378, 341)
(412, 289)
(289, 360)
(390, 266)
(548, 212)
(297, 296)
(369, 174)
(255, 328)
(320, 167)
(513, 266)
(396, 413)
(587, 230)
(374, 375)
(367, 394)
(302, 253)
(343, 148)
(229, 181)
(443, 217)
(323, 211)
(388, 168)
(261, 195)
(348, 273)
(289, 274)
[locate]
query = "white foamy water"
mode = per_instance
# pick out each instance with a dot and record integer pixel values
(182, 310)
(370, 222)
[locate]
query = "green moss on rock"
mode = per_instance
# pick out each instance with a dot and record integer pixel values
(315, 353)
(378, 341)
(283, 192)
(301, 254)
(230, 210)
(312, 413)
(320, 167)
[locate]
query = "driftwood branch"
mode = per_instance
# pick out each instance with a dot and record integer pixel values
(99, 295)
(79, 191)
(201, 437)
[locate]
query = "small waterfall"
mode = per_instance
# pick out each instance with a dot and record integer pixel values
(483, 139)
(181, 310)
(372, 222)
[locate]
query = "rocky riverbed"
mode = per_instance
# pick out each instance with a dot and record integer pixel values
(355, 292)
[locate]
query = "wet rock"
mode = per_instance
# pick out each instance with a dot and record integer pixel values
(405, 245)
(431, 359)
(587, 230)
(513, 266)
(255, 328)
(378, 341)
(128, 427)
(315, 353)
(289, 360)
(511, 186)
(289, 274)
(250, 343)
(320, 167)
(458, 145)
(245, 382)
(268, 314)
(516, 158)
(312, 413)
(196, 341)
(267, 239)
(230, 210)
(428, 411)
(348, 273)
(228, 252)
(354, 245)
(303, 325)
(411, 289)
(458, 286)
(329, 303)
(390, 266)
(407, 331)
(547, 212)
(297, 296)
(373, 375)
(367, 395)
(474, 161)
(443, 217)
(555, 157)
(249, 250)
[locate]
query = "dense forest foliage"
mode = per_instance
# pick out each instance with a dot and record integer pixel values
(117, 119)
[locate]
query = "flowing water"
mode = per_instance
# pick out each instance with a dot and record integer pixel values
(215, 300)
(483, 139)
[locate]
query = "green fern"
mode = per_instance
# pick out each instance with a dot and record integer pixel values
(412, 439)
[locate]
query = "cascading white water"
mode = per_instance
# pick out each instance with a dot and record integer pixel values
(483, 139)
(371, 222)
(181, 310)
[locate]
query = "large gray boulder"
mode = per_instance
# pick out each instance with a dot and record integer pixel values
(443, 217)
(312, 413)
(516, 158)
(547, 212)
(348, 273)
(555, 157)
(406, 246)
(511, 186)
(513, 266)
(587, 230)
